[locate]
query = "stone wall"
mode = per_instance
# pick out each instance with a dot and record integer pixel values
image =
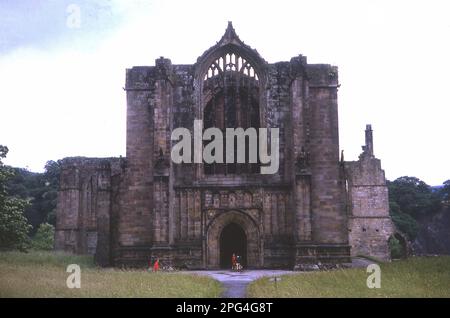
(84, 206)
(370, 225)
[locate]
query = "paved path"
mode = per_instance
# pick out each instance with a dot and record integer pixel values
(359, 262)
(236, 283)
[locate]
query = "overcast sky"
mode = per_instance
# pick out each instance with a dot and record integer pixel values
(61, 79)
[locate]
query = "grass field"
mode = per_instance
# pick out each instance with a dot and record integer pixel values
(43, 274)
(414, 277)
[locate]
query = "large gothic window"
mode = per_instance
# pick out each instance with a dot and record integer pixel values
(231, 92)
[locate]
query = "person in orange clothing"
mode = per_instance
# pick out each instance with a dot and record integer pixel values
(156, 265)
(233, 261)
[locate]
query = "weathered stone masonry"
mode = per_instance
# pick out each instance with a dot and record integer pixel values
(317, 208)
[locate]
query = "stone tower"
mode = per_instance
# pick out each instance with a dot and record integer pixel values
(315, 208)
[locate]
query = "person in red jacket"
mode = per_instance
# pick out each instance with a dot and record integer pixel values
(233, 262)
(156, 265)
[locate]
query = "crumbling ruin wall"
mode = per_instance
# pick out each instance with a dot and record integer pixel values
(83, 224)
(369, 223)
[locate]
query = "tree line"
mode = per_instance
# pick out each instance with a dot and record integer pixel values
(27, 206)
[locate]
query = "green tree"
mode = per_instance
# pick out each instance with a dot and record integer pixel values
(413, 196)
(14, 227)
(404, 222)
(397, 250)
(44, 237)
(5, 172)
(445, 191)
(51, 179)
(40, 189)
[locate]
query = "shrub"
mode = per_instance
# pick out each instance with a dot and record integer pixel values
(44, 237)
(396, 248)
(14, 227)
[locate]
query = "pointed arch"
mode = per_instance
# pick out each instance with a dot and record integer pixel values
(252, 233)
(230, 80)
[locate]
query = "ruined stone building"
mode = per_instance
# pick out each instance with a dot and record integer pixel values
(316, 208)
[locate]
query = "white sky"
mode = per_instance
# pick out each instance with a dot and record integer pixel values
(61, 88)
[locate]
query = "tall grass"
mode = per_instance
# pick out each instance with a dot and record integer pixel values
(46, 258)
(43, 274)
(414, 277)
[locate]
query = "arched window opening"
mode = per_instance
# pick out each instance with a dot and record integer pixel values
(231, 62)
(231, 94)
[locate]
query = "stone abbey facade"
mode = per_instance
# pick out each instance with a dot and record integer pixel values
(316, 208)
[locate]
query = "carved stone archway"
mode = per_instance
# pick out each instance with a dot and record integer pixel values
(252, 233)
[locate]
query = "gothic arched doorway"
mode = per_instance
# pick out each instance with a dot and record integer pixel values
(233, 224)
(232, 241)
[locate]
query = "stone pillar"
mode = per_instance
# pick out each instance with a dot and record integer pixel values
(327, 199)
(163, 195)
(136, 213)
(300, 161)
(368, 148)
(67, 210)
(103, 211)
(303, 208)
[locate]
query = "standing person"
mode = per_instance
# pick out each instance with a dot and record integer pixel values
(156, 265)
(233, 261)
(238, 263)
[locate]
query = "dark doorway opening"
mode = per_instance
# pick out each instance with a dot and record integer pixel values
(232, 240)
